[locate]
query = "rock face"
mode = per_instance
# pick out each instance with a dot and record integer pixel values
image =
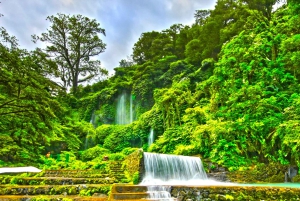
(269, 173)
(218, 176)
(291, 173)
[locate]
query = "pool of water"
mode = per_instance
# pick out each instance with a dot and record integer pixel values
(286, 185)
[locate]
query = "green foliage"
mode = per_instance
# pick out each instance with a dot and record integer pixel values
(128, 150)
(28, 110)
(227, 154)
(193, 52)
(116, 156)
(106, 113)
(226, 88)
(122, 137)
(136, 178)
(170, 140)
(93, 153)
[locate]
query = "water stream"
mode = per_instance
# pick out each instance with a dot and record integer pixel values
(163, 170)
(171, 169)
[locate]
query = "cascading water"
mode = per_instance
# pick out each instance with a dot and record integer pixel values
(151, 137)
(121, 117)
(125, 112)
(167, 169)
(163, 170)
(93, 118)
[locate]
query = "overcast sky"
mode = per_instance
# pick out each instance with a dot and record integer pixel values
(123, 20)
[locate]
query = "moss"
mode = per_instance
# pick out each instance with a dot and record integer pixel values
(271, 173)
(131, 166)
(296, 178)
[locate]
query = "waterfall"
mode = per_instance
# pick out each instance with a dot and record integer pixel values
(92, 121)
(167, 169)
(88, 139)
(159, 193)
(121, 117)
(151, 137)
(125, 111)
(131, 108)
(163, 170)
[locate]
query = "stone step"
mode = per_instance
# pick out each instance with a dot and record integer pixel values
(135, 196)
(124, 188)
(53, 197)
(55, 180)
(54, 189)
(129, 196)
(74, 173)
(132, 192)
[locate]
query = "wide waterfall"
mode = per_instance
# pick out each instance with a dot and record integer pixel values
(171, 169)
(125, 111)
(163, 170)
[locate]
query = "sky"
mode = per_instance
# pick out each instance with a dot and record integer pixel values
(123, 20)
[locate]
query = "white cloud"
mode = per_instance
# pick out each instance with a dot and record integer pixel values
(124, 21)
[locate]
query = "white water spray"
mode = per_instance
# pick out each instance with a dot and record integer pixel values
(172, 169)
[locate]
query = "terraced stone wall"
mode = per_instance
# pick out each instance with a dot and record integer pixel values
(134, 166)
(209, 193)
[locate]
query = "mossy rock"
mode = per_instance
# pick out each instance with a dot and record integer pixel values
(272, 173)
(296, 179)
(276, 178)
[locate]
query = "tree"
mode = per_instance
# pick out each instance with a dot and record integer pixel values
(74, 40)
(28, 108)
(201, 16)
(265, 6)
(141, 50)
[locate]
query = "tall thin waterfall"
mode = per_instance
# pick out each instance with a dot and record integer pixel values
(151, 137)
(125, 111)
(131, 109)
(121, 117)
(88, 139)
(92, 120)
(166, 169)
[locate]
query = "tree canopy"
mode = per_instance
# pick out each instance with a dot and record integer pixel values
(74, 41)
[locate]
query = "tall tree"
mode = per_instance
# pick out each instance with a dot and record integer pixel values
(73, 41)
(141, 50)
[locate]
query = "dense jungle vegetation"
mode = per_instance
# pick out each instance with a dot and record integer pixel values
(226, 88)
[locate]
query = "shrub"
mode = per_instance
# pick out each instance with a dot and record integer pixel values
(93, 153)
(136, 178)
(116, 156)
(128, 150)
